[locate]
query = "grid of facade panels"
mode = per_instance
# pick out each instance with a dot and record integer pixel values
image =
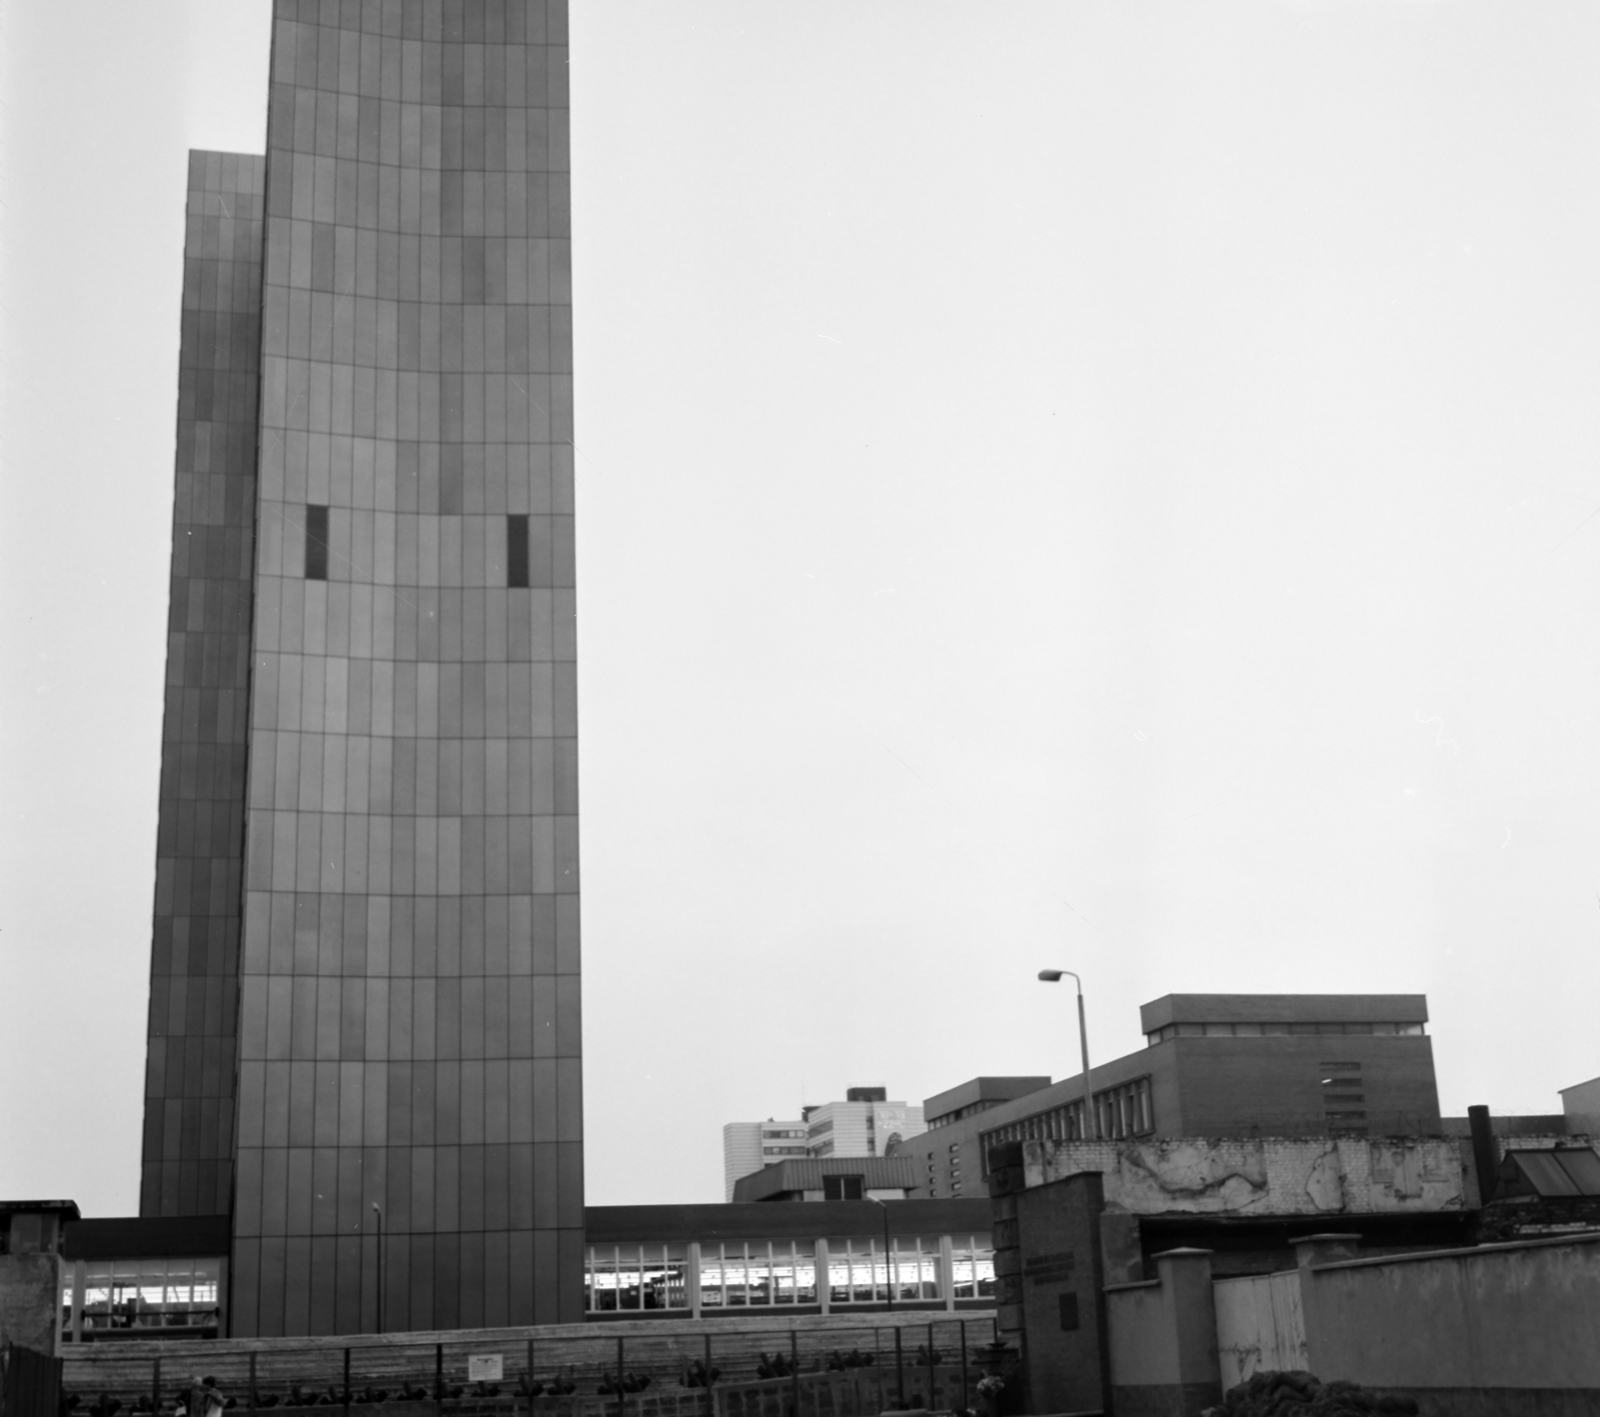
(409, 1001)
(189, 1073)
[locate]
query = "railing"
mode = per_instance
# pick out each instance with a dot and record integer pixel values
(813, 1367)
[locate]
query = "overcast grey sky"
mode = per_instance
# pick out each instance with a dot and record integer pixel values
(1105, 485)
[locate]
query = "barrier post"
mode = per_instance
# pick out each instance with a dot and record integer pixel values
(622, 1396)
(899, 1369)
(252, 1383)
(963, 1363)
(155, 1383)
(438, 1378)
(794, 1370)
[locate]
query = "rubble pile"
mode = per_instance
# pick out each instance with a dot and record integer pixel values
(1294, 1394)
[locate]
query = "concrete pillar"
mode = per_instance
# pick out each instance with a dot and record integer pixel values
(1185, 1276)
(30, 1273)
(1309, 1251)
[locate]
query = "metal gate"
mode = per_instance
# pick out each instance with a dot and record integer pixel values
(30, 1383)
(1260, 1326)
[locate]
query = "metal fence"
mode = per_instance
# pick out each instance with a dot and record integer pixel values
(30, 1383)
(800, 1370)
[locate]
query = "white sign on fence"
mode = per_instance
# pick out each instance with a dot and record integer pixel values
(485, 1367)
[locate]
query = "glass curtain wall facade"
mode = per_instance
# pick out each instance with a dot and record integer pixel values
(408, 967)
(194, 953)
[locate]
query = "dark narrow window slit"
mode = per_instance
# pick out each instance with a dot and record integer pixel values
(316, 542)
(517, 550)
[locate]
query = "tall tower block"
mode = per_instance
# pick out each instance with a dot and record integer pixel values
(406, 972)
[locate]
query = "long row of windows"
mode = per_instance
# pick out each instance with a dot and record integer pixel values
(317, 546)
(1259, 1030)
(1123, 1111)
(732, 1274)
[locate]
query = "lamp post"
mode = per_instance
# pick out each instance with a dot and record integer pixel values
(888, 1253)
(1053, 976)
(377, 1210)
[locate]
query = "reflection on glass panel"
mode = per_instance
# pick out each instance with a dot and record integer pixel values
(972, 1266)
(151, 1293)
(916, 1267)
(636, 1277)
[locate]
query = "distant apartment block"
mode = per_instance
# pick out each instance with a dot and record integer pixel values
(748, 1146)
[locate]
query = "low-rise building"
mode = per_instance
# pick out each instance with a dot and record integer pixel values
(1214, 1065)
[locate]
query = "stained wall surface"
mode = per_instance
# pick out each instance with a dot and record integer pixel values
(409, 1032)
(189, 1075)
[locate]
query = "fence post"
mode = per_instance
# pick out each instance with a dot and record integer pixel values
(347, 1378)
(899, 1369)
(530, 1375)
(155, 1383)
(252, 1384)
(438, 1378)
(963, 1363)
(622, 1396)
(794, 1370)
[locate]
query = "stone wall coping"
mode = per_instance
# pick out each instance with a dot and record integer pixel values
(1132, 1284)
(1582, 1237)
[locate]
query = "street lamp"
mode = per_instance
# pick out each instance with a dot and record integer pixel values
(888, 1252)
(377, 1210)
(1053, 976)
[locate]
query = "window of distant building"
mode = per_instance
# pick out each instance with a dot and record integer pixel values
(843, 1188)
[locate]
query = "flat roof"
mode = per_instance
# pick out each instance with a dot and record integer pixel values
(984, 1089)
(1283, 1008)
(67, 1208)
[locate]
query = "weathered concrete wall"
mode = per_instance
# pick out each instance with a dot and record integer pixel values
(1050, 1280)
(1518, 1322)
(30, 1290)
(1314, 1176)
(1163, 1340)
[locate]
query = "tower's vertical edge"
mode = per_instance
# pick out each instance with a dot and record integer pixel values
(189, 1072)
(409, 983)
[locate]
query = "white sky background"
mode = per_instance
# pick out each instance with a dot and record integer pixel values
(1101, 485)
